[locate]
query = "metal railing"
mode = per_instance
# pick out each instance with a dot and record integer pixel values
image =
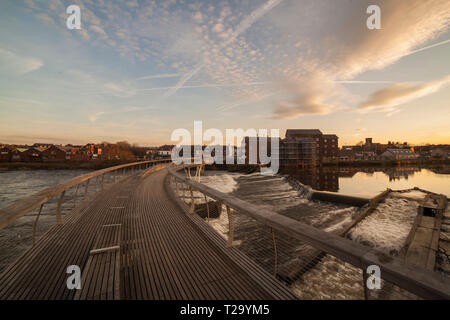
(17, 210)
(397, 276)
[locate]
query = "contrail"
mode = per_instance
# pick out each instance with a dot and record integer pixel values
(243, 26)
(422, 49)
(160, 76)
(207, 85)
(183, 80)
(361, 81)
(252, 18)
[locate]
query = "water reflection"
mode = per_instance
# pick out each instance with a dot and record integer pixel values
(368, 181)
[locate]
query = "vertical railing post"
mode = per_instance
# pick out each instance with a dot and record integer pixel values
(176, 187)
(207, 206)
(35, 223)
(96, 184)
(230, 228)
(219, 208)
(275, 252)
(58, 209)
(366, 293)
(192, 200)
(86, 189)
(103, 178)
(75, 197)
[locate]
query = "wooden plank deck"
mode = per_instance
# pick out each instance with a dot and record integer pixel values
(163, 253)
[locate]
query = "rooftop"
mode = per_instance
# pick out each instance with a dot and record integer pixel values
(302, 131)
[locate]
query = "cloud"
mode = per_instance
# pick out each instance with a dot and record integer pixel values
(245, 24)
(122, 90)
(46, 19)
(11, 63)
(98, 30)
(402, 93)
(308, 99)
(343, 47)
(198, 17)
(94, 117)
(305, 105)
(308, 49)
(218, 28)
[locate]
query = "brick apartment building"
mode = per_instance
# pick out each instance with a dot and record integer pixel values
(326, 145)
(297, 153)
(300, 148)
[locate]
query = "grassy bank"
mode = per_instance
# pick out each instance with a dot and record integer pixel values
(91, 165)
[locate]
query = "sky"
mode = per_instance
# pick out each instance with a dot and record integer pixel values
(137, 70)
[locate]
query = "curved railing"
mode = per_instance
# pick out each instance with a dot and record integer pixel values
(421, 282)
(15, 211)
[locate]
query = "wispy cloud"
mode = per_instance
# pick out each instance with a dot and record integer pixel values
(206, 85)
(12, 63)
(402, 93)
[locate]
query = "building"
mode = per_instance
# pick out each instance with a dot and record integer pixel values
(33, 154)
(330, 147)
(74, 153)
(346, 155)
(5, 154)
(399, 154)
(53, 153)
(165, 151)
(42, 146)
(296, 153)
(440, 153)
(326, 146)
(255, 142)
(18, 154)
(374, 147)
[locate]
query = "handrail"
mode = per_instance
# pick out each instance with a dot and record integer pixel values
(17, 210)
(414, 279)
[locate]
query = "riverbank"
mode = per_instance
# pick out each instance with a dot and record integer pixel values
(385, 163)
(91, 165)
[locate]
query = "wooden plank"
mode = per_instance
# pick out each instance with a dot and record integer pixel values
(101, 266)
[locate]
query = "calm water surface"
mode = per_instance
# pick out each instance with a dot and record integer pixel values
(371, 181)
(16, 185)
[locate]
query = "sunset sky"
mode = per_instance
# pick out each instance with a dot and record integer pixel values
(137, 70)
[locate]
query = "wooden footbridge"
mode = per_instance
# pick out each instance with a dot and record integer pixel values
(136, 239)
